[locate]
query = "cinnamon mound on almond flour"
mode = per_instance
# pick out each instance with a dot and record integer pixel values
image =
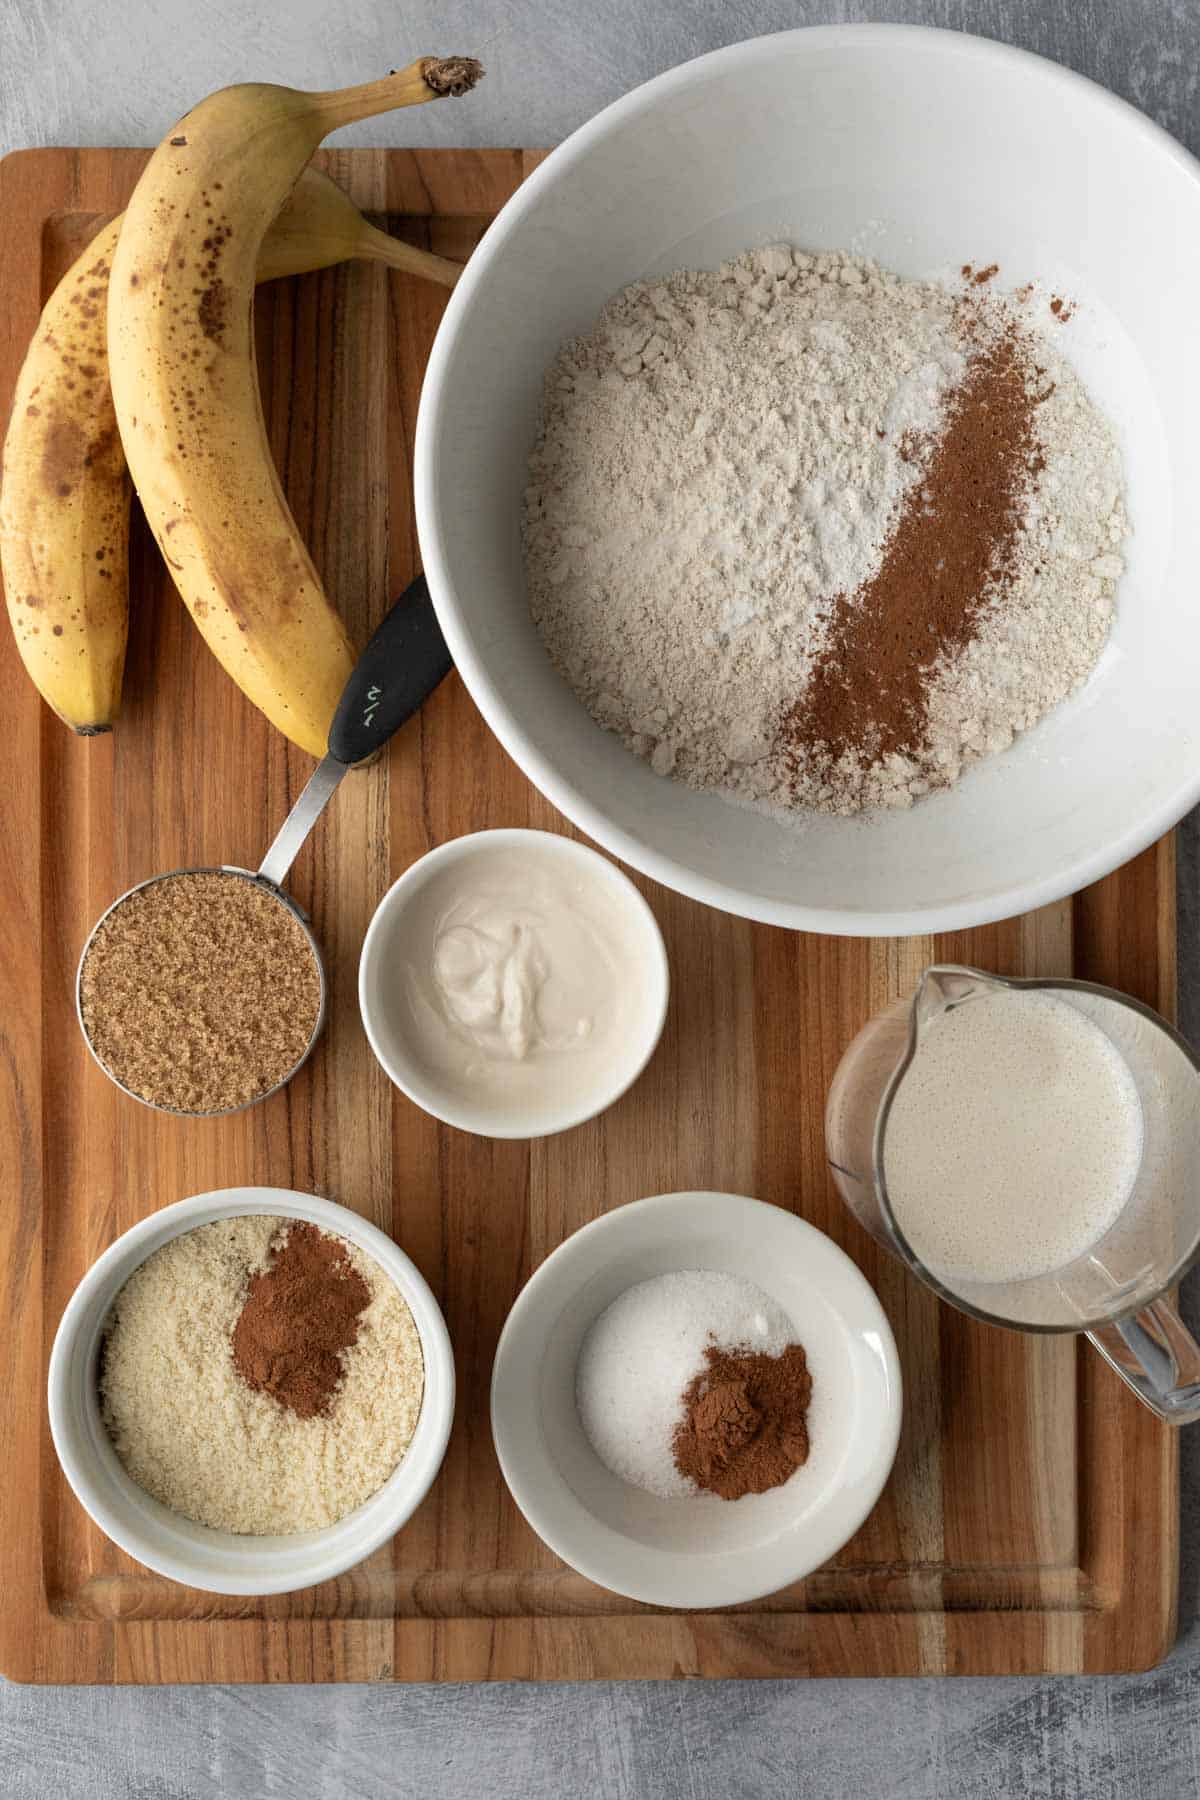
(260, 1375)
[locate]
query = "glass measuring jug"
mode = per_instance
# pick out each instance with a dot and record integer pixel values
(1115, 1290)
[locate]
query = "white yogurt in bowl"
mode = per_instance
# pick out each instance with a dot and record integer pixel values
(513, 983)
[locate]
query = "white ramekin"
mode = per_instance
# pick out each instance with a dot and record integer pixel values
(697, 1552)
(377, 977)
(225, 1562)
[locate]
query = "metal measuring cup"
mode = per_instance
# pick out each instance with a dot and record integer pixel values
(400, 667)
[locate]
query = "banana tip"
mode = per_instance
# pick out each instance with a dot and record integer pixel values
(452, 75)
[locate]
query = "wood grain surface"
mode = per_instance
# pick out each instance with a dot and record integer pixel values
(1031, 1522)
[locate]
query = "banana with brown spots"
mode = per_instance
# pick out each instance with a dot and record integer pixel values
(65, 489)
(185, 385)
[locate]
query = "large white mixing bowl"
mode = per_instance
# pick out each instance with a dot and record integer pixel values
(925, 149)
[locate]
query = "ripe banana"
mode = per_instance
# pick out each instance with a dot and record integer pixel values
(64, 492)
(185, 386)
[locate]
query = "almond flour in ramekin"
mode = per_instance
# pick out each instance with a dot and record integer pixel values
(192, 1431)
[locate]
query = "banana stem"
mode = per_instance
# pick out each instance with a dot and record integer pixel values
(429, 78)
(378, 247)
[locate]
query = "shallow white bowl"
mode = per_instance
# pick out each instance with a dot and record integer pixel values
(696, 1552)
(380, 981)
(225, 1562)
(925, 149)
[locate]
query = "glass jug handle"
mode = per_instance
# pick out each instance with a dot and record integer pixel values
(1157, 1355)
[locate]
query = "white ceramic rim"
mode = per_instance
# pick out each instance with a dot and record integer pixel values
(431, 1099)
(507, 728)
(832, 1527)
(335, 1548)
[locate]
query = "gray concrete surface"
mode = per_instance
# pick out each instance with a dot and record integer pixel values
(94, 72)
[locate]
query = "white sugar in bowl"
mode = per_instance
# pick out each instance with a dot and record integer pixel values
(699, 1550)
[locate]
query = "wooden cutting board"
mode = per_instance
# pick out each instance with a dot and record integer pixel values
(1031, 1523)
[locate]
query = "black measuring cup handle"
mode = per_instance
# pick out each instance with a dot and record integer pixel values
(396, 673)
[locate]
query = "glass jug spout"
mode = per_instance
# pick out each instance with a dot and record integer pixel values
(945, 985)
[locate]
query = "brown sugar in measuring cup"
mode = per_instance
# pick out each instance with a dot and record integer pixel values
(203, 991)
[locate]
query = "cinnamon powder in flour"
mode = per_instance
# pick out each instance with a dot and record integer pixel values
(813, 537)
(955, 542)
(301, 1314)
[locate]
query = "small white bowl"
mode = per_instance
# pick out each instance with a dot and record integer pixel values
(700, 1552)
(226, 1562)
(380, 993)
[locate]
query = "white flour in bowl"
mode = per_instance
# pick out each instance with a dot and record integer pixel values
(723, 471)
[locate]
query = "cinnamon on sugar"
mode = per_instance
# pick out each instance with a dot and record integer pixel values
(744, 1428)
